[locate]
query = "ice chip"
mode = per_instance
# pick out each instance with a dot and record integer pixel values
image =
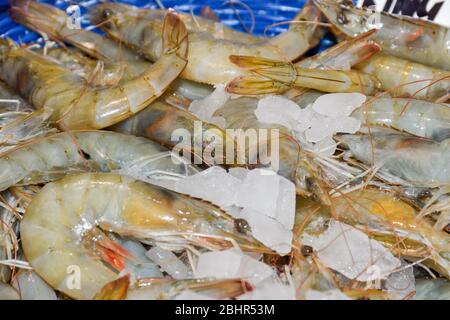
(259, 191)
(239, 173)
(338, 104)
(321, 128)
(325, 147)
(231, 263)
(277, 110)
(169, 262)
(352, 253)
(346, 124)
(285, 210)
(205, 108)
(269, 290)
(269, 231)
(214, 184)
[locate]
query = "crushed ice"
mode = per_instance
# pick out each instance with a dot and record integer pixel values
(204, 109)
(352, 253)
(315, 125)
(262, 197)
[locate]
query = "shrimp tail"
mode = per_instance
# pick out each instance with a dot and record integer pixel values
(114, 290)
(108, 250)
(174, 35)
(38, 16)
(270, 76)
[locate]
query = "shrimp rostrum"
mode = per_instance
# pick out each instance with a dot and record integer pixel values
(65, 222)
(76, 105)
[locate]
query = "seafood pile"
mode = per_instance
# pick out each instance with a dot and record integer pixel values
(163, 155)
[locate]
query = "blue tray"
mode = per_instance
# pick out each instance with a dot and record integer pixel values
(234, 15)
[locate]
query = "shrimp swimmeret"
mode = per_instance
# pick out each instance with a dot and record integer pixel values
(76, 105)
(64, 223)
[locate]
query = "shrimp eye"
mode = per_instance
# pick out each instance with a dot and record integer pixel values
(342, 18)
(107, 13)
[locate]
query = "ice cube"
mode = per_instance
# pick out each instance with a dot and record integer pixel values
(346, 124)
(285, 209)
(321, 128)
(304, 119)
(269, 289)
(206, 107)
(338, 104)
(325, 147)
(213, 184)
(239, 173)
(269, 231)
(260, 191)
(277, 110)
(231, 263)
(169, 262)
(352, 253)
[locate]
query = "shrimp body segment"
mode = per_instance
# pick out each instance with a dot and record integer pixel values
(418, 117)
(404, 78)
(60, 225)
(74, 103)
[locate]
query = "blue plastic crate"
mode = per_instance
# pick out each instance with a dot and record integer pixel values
(230, 13)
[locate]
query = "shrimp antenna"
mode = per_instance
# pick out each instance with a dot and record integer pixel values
(232, 3)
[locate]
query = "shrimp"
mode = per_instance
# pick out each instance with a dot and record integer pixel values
(119, 64)
(403, 78)
(193, 23)
(208, 56)
(412, 39)
(418, 162)
(421, 118)
(271, 76)
(75, 105)
(165, 289)
(384, 218)
(52, 157)
(68, 215)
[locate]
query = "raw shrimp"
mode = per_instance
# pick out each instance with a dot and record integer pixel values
(68, 215)
(52, 157)
(416, 161)
(343, 55)
(74, 104)
(384, 218)
(160, 121)
(403, 78)
(421, 118)
(271, 76)
(168, 289)
(193, 23)
(119, 63)
(208, 56)
(412, 39)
